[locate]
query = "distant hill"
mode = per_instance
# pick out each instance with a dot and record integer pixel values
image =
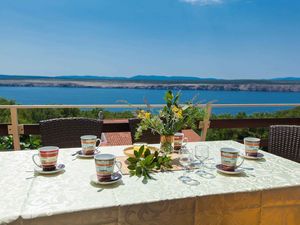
(137, 78)
(91, 77)
(168, 78)
(150, 78)
(287, 78)
(10, 77)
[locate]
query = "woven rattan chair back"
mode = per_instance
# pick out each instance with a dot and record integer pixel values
(284, 141)
(147, 136)
(66, 132)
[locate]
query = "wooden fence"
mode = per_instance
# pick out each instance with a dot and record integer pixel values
(15, 129)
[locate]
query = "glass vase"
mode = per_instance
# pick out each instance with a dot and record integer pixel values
(166, 144)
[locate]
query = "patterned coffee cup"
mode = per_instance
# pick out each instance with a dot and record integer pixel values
(229, 157)
(89, 144)
(251, 146)
(48, 157)
(179, 141)
(105, 165)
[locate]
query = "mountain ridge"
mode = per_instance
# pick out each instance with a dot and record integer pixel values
(140, 78)
(152, 82)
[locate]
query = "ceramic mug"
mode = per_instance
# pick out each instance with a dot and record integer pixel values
(251, 146)
(179, 141)
(105, 165)
(89, 144)
(48, 157)
(229, 157)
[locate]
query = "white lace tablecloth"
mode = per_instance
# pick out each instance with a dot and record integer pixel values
(268, 194)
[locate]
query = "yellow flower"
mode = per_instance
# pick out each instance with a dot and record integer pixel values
(147, 115)
(179, 113)
(141, 114)
(175, 109)
(144, 115)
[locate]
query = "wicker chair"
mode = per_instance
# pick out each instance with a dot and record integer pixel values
(66, 132)
(147, 136)
(284, 141)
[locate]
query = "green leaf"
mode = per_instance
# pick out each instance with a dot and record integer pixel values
(141, 163)
(131, 167)
(149, 159)
(136, 153)
(138, 171)
(147, 152)
(132, 173)
(151, 167)
(158, 166)
(160, 159)
(169, 96)
(176, 97)
(145, 173)
(141, 150)
(148, 175)
(132, 160)
(145, 180)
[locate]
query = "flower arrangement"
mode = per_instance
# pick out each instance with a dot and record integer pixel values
(171, 119)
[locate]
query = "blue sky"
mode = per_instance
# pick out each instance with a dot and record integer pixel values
(206, 38)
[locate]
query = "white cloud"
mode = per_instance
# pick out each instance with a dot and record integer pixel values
(204, 2)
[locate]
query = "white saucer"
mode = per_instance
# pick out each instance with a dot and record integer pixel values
(237, 171)
(59, 168)
(116, 177)
(259, 156)
(80, 155)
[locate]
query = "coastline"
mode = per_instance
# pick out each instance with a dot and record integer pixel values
(265, 87)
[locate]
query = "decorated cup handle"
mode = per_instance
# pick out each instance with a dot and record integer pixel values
(98, 146)
(185, 141)
(118, 165)
(33, 159)
(241, 162)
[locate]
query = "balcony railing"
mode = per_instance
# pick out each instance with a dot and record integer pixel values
(15, 129)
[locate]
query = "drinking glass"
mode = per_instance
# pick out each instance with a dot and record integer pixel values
(201, 154)
(185, 159)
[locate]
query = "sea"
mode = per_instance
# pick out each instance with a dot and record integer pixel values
(69, 95)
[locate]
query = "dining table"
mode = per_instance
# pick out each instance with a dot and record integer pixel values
(267, 192)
